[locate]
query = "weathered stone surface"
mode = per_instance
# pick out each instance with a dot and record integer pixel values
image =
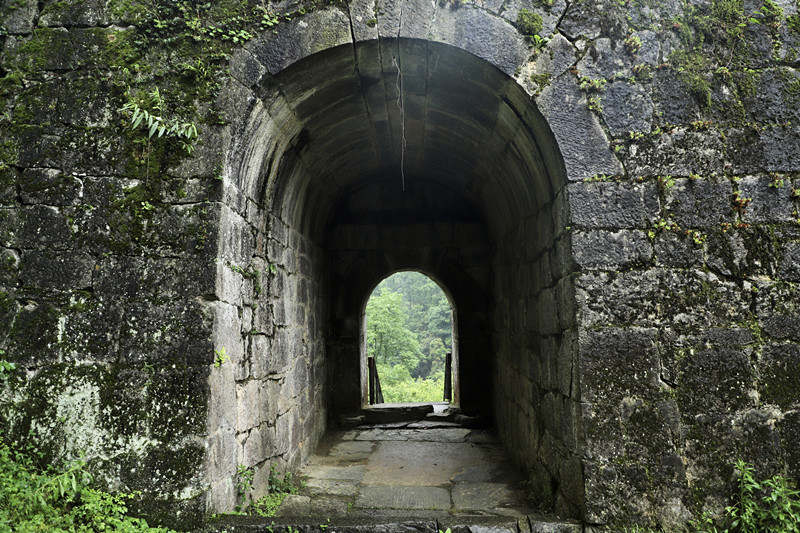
(66, 14)
(613, 205)
(403, 497)
(471, 496)
(483, 35)
(700, 203)
(770, 200)
(383, 415)
(19, 17)
(295, 505)
(627, 107)
(582, 143)
(304, 36)
(603, 249)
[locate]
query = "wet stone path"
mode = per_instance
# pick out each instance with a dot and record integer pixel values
(421, 469)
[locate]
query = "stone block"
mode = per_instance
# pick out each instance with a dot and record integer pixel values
(558, 57)
(789, 429)
(674, 250)
(779, 381)
(18, 17)
(246, 68)
(547, 312)
(300, 38)
(769, 204)
(363, 20)
(781, 327)
(404, 497)
(72, 48)
(611, 250)
(50, 186)
(700, 203)
(789, 268)
(46, 226)
(581, 20)
(616, 362)
(565, 301)
(627, 107)
(715, 380)
(70, 14)
(567, 354)
(33, 339)
(295, 505)
(247, 396)
(551, 13)
(56, 271)
(488, 37)
(226, 332)
(598, 205)
(582, 142)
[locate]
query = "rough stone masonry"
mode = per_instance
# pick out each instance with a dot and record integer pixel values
(608, 190)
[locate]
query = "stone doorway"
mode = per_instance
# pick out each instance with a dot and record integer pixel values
(408, 326)
(479, 204)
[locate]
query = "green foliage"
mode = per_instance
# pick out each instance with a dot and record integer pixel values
(591, 84)
(428, 316)
(632, 44)
(279, 488)
(140, 111)
(540, 81)
(529, 23)
(244, 480)
(793, 22)
(398, 385)
(409, 332)
(58, 500)
(6, 367)
(768, 505)
(220, 357)
(388, 338)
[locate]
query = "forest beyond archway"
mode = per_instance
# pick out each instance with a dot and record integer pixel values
(409, 331)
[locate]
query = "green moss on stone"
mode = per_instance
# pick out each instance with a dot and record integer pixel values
(528, 22)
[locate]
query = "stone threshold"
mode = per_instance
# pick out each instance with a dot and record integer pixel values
(399, 524)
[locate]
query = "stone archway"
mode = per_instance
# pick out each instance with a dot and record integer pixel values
(360, 147)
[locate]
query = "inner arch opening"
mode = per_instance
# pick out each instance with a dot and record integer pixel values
(480, 206)
(408, 350)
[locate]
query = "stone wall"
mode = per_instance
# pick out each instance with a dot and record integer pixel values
(635, 179)
(537, 399)
(267, 385)
(684, 255)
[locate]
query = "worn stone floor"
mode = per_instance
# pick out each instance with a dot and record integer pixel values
(423, 469)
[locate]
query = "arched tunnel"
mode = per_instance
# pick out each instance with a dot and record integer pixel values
(362, 160)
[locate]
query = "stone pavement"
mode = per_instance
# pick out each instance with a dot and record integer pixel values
(422, 469)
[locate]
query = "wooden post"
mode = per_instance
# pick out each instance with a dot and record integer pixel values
(371, 370)
(448, 377)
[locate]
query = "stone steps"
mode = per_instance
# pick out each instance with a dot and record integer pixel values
(473, 524)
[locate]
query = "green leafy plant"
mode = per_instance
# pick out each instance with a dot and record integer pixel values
(32, 499)
(6, 367)
(632, 44)
(594, 103)
(280, 486)
(143, 112)
(592, 84)
(244, 479)
(221, 357)
(768, 505)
